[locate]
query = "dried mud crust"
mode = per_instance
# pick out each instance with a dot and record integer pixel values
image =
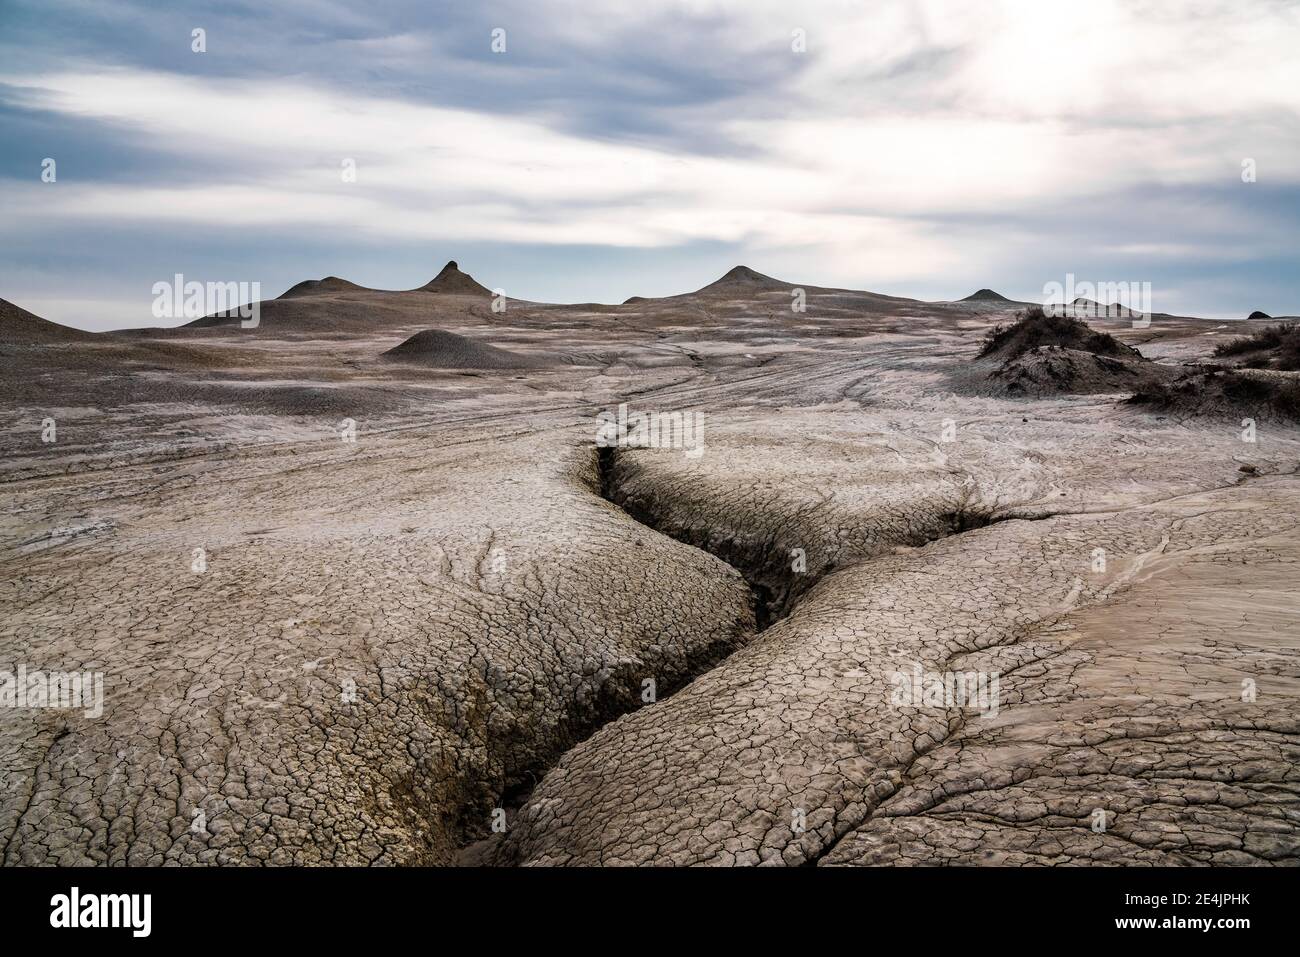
(458, 563)
(483, 638)
(1050, 370)
(1122, 691)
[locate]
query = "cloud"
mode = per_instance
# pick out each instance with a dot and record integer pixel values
(427, 172)
(912, 140)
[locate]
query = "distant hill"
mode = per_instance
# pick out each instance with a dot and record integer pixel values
(743, 279)
(20, 327)
(334, 306)
(451, 281)
(986, 295)
(313, 287)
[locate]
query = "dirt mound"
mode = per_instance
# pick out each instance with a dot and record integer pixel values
(986, 295)
(744, 279)
(1226, 393)
(1083, 308)
(446, 350)
(1259, 315)
(452, 282)
(1036, 328)
(1051, 370)
(318, 287)
(1274, 347)
(22, 328)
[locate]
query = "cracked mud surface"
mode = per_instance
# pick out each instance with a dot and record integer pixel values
(1127, 704)
(394, 637)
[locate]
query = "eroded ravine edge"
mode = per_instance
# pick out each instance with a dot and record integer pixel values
(765, 563)
(775, 587)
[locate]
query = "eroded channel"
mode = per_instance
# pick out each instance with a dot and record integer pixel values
(764, 564)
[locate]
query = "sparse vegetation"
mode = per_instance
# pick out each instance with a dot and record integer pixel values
(1224, 391)
(1273, 347)
(1034, 328)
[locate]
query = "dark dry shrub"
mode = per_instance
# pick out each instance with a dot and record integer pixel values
(1195, 393)
(1245, 389)
(1286, 400)
(1034, 328)
(1284, 336)
(992, 338)
(1288, 355)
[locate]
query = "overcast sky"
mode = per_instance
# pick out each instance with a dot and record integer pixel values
(643, 148)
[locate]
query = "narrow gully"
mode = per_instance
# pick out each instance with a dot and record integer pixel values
(484, 851)
(765, 565)
(765, 568)
(770, 593)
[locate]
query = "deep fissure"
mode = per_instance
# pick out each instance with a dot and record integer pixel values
(775, 587)
(772, 592)
(764, 564)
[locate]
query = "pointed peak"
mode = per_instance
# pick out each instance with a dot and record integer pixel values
(454, 282)
(744, 278)
(745, 274)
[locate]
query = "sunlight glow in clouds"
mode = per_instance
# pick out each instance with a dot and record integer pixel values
(876, 155)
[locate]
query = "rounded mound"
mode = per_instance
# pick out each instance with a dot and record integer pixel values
(1037, 328)
(316, 287)
(1051, 370)
(985, 295)
(446, 350)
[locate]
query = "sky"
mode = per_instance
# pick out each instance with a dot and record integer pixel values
(591, 151)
